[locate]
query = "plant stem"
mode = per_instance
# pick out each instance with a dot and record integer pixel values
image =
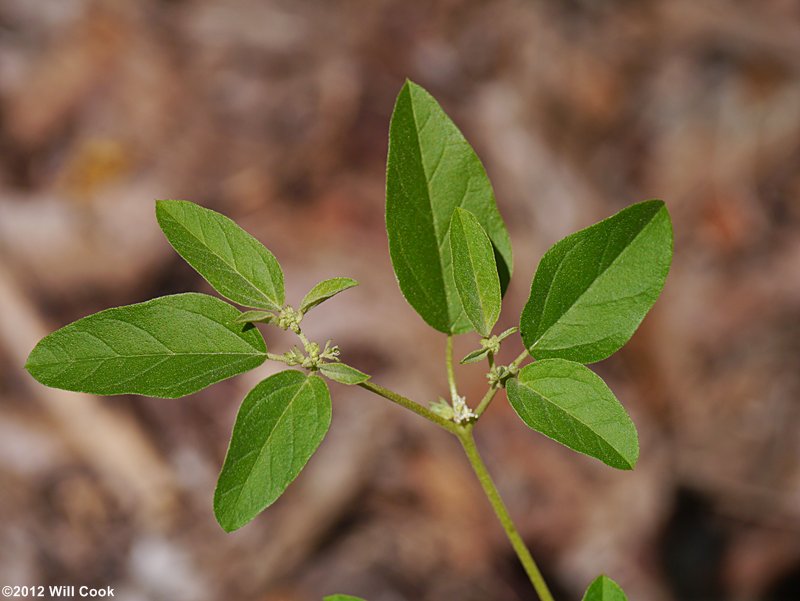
(520, 358)
(490, 394)
(464, 435)
(451, 377)
(411, 405)
(279, 358)
(303, 339)
(500, 509)
(487, 398)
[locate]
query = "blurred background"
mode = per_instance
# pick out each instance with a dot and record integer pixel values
(276, 113)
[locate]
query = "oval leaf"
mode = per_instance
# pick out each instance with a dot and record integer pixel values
(280, 424)
(344, 374)
(167, 347)
(325, 290)
(604, 589)
(431, 170)
(475, 356)
(569, 403)
(475, 271)
(342, 598)
(255, 317)
(237, 265)
(506, 333)
(592, 289)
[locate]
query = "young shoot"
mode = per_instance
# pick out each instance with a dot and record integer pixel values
(452, 257)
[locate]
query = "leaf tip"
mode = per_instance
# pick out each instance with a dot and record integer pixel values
(412, 89)
(654, 206)
(405, 89)
(30, 368)
(633, 461)
(627, 462)
(458, 215)
(163, 203)
(604, 588)
(31, 365)
(227, 526)
(226, 518)
(163, 210)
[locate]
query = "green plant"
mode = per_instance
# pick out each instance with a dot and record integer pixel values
(452, 257)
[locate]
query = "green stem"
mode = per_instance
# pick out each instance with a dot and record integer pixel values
(411, 405)
(519, 359)
(303, 339)
(500, 509)
(487, 398)
(464, 434)
(274, 357)
(451, 377)
(490, 394)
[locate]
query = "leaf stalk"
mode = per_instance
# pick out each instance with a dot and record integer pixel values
(451, 377)
(420, 410)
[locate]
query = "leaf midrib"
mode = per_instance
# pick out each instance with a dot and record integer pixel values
(575, 418)
(470, 256)
(541, 335)
(140, 355)
(453, 320)
(278, 421)
(232, 267)
(422, 287)
(428, 190)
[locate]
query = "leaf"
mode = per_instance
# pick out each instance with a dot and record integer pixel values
(166, 347)
(475, 356)
(506, 333)
(592, 289)
(342, 598)
(344, 374)
(325, 290)
(443, 409)
(280, 424)
(475, 271)
(569, 403)
(604, 589)
(254, 317)
(431, 170)
(237, 265)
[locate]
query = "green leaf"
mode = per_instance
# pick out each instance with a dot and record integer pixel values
(342, 598)
(442, 408)
(280, 424)
(254, 317)
(592, 289)
(325, 290)
(569, 403)
(166, 347)
(431, 170)
(506, 333)
(237, 265)
(604, 589)
(475, 271)
(475, 356)
(344, 374)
